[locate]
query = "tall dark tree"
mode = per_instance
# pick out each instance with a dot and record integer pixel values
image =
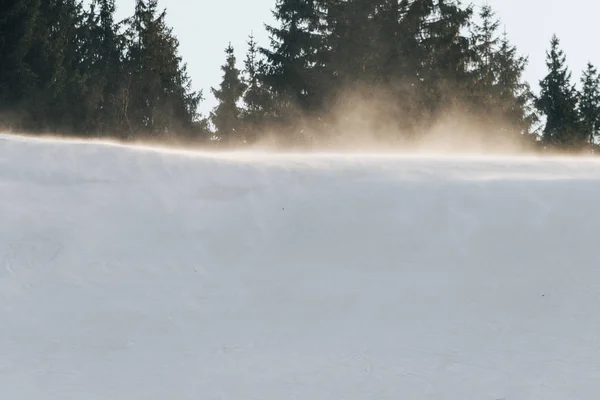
(558, 101)
(257, 102)
(351, 40)
(413, 86)
(227, 115)
(589, 103)
(159, 100)
(363, 39)
(18, 23)
(515, 98)
(293, 72)
(57, 60)
(67, 68)
(107, 46)
(500, 95)
(448, 53)
(485, 46)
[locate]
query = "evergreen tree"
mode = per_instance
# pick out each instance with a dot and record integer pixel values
(589, 103)
(485, 44)
(82, 87)
(107, 46)
(558, 101)
(18, 23)
(368, 53)
(68, 69)
(500, 95)
(350, 40)
(386, 40)
(158, 96)
(515, 98)
(292, 70)
(256, 98)
(446, 68)
(414, 17)
(227, 114)
(414, 90)
(362, 39)
(428, 54)
(57, 62)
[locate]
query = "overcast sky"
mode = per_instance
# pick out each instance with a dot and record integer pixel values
(204, 29)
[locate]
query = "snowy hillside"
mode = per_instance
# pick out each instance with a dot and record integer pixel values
(134, 274)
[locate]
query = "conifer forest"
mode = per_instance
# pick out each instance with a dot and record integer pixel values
(337, 73)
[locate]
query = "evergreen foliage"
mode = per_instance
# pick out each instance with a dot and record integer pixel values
(499, 92)
(227, 115)
(70, 69)
(589, 103)
(389, 69)
(558, 102)
(256, 97)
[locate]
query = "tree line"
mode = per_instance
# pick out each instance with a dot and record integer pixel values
(68, 68)
(333, 72)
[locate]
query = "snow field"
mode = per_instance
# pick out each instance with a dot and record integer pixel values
(138, 274)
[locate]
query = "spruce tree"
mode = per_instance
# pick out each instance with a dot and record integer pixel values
(485, 45)
(362, 40)
(414, 17)
(107, 45)
(500, 95)
(159, 99)
(589, 103)
(350, 40)
(515, 98)
(448, 55)
(57, 62)
(226, 116)
(293, 72)
(18, 23)
(82, 87)
(414, 87)
(558, 101)
(386, 45)
(67, 68)
(256, 98)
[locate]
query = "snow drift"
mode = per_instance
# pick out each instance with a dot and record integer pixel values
(140, 274)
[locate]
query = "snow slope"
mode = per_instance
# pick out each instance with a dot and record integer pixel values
(136, 274)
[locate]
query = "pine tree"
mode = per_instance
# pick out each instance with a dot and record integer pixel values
(558, 101)
(589, 103)
(448, 55)
(57, 61)
(82, 87)
(292, 69)
(414, 17)
(414, 87)
(362, 40)
(499, 90)
(515, 98)
(107, 45)
(256, 98)
(18, 23)
(350, 38)
(485, 45)
(44, 64)
(67, 68)
(227, 114)
(386, 45)
(158, 97)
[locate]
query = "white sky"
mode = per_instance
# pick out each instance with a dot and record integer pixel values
(204, 29)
